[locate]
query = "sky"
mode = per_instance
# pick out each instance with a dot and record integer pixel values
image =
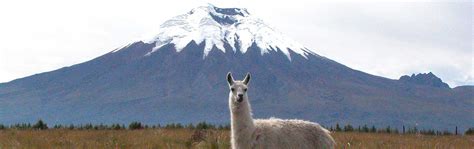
(387, 38)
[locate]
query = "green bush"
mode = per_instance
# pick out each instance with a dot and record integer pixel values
(469, 131)
(135, 125)
(40, 125)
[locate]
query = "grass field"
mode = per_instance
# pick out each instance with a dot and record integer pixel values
(186, 138)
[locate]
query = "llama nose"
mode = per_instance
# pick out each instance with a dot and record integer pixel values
(240, 97)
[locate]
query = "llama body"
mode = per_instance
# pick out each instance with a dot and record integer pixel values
(247, 133)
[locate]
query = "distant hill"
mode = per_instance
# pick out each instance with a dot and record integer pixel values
(179, 76)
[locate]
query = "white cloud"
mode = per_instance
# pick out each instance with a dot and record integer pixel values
(389, 38)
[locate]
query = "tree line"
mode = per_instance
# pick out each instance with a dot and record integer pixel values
(41, 125)
(388, 129)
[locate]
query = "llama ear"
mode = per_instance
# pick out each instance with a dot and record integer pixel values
(247, 79)
(230, 80)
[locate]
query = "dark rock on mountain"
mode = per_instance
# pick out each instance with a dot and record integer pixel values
(428, 79)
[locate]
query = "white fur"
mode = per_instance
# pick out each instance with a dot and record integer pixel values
(247, 133)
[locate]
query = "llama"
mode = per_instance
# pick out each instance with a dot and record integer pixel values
(247, 133)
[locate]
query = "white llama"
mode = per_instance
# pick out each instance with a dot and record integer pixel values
(247, 133)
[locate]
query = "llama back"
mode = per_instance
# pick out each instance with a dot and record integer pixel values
(278, 133)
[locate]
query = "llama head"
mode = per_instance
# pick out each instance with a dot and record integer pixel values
(238, 89)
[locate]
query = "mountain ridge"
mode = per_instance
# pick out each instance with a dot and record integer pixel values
(180, 85)
(428, 79)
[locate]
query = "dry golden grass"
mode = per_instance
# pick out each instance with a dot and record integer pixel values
(399, 141)
(143, 139)
(185, 138)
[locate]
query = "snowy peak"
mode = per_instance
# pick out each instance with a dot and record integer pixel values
(227, 16)
(223, 16)
(231, 11)
(219, 26)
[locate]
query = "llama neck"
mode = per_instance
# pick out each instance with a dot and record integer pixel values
(242, 124)
(241, 114)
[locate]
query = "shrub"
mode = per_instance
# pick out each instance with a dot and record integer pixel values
(40, 125)
(135, 125)
(469, 131)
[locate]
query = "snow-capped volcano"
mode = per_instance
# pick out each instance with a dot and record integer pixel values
(219, 26)
(179, 77)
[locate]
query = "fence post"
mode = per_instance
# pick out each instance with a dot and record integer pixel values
(456, 132)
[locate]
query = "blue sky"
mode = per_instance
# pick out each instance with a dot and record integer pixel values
(385, 38)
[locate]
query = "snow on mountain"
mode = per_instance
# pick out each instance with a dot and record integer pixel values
(217, 26)
(130, 84)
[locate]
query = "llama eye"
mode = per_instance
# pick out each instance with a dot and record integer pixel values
(232, 89)
(245, 90)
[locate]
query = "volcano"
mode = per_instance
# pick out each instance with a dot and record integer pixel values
(178, 76)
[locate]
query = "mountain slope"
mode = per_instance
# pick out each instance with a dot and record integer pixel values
(181, 78)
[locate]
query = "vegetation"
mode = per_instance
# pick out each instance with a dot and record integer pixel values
(469, 131)
(388, 129)
(135, 125)
(205, 135)
(392, 140)
(205, 138)
(40, 125)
